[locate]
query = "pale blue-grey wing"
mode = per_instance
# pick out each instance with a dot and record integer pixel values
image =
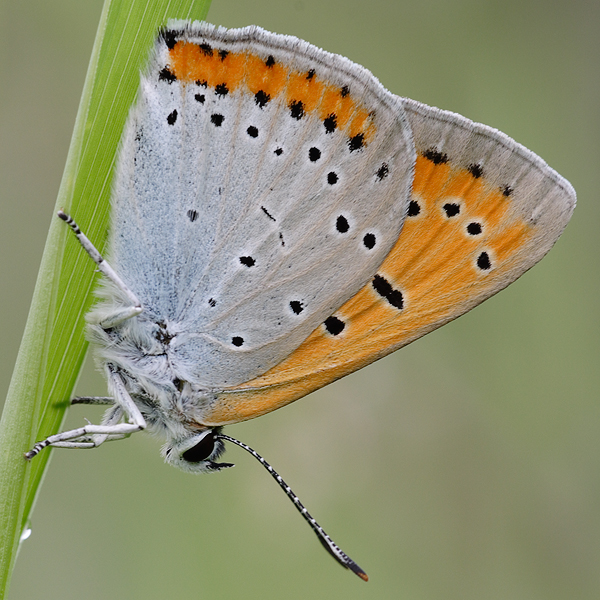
(243, 224)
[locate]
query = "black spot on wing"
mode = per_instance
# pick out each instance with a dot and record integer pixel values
(474, 228)
(435, 156)
(268, 213)
(369, 241)
(334, 326)
(341, 224)
(384, 288)
(206, 49)
(330, 123)
(296, 306)
(476, 170)
(314, 154)
(356, 142)
(484, 262)
(170, 36)
(172, 118)
(383, 171)
(166, 75)
(261, 98)
(296, 109)
(413, 208)
(451, 209)
(221, 90)
(247, 261)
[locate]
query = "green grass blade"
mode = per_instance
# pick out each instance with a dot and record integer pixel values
(53, 347)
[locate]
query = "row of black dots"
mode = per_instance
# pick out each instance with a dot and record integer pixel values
(473, 229)
(297, 109)
(453, 209)
(476, 169)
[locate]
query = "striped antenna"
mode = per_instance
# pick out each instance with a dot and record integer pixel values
(327, 542)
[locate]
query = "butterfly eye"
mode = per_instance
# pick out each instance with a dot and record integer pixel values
(201, 451)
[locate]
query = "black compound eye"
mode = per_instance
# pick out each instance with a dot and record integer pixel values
(201, 451)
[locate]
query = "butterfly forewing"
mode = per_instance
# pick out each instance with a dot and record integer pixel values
(264, 182)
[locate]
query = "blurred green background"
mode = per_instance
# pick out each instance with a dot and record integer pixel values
(465, 466)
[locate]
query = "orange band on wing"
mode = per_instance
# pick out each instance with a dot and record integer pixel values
(454, 251)
(267, 80)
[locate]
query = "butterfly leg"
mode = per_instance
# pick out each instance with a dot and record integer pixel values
(97, 400)
(91, 436)
(120, 315)
(111, 417)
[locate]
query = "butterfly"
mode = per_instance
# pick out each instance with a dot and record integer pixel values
(279, 220)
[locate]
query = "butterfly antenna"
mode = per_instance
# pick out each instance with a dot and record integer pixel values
(327, 542)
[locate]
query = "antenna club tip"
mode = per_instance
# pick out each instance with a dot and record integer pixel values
(356, 569)
(61, 214)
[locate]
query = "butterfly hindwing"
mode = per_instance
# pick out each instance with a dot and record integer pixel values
(483, 210)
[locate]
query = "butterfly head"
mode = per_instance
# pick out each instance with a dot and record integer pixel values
(197, 452)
